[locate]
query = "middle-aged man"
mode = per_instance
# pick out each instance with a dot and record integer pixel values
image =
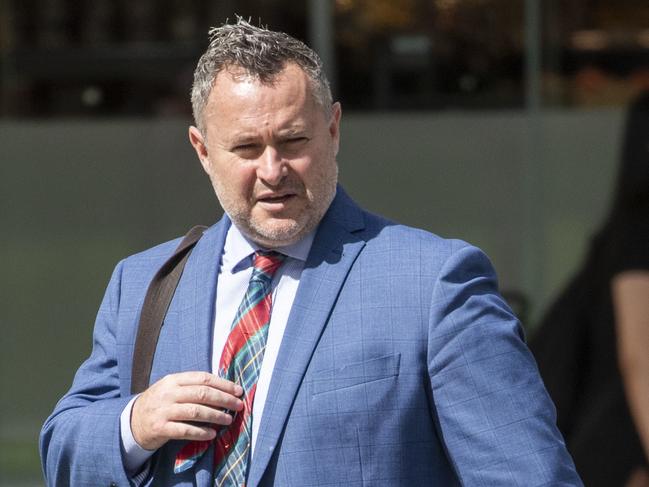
(376, 354)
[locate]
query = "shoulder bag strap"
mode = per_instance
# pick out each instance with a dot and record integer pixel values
(158, 296)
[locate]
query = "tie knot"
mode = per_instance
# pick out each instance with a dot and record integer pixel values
(265, 264)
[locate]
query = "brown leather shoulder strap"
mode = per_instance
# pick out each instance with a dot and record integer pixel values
(156, 303)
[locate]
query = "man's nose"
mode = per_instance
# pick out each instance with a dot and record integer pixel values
(271, 168)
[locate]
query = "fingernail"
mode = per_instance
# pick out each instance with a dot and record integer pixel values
(238, 390)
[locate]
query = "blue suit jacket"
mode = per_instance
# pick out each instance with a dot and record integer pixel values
(400, 365)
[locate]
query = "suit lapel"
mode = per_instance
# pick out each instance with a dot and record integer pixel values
(334, 250)
(196, 292)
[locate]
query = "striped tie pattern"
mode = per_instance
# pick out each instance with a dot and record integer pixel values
(241, 363)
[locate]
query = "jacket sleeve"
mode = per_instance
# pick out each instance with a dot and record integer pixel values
(80, 442)
(493, 413)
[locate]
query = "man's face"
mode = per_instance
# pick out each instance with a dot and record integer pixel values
(270, 152)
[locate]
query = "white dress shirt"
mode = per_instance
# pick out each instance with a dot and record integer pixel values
(233, 277)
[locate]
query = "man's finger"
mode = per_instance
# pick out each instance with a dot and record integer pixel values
(187, 431)
(207, 379)
(209, 396)
(197, 413)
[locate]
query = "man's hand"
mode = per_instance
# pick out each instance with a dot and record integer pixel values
(174, 407)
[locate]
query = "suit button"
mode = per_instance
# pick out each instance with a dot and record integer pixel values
(113, 484)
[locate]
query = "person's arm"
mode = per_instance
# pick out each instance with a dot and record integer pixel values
(630, 291)
(81, 443)
(494, 415)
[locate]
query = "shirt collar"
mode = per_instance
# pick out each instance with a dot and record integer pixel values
(238, 249)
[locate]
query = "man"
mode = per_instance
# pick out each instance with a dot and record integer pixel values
(387, 358)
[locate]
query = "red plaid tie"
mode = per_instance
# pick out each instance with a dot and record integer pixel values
(241, 363)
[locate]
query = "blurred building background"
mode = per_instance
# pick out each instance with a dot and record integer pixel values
(495, 121)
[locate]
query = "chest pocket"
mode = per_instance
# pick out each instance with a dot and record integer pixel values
(354, 377)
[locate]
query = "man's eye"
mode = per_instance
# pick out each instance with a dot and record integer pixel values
(247, 151)
(245, 147)
(295, 140)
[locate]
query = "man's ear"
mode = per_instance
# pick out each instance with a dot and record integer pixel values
(334, 125)
(199, 145)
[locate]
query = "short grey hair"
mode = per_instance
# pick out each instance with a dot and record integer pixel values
(260, 53)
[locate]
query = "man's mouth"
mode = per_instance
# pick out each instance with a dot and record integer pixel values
(275, 200)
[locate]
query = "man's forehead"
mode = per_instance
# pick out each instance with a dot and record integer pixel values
(250, 129)
(289, 87)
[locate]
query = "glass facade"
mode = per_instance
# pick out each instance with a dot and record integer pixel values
(595, 52)
(114, 57)
(430, 55)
